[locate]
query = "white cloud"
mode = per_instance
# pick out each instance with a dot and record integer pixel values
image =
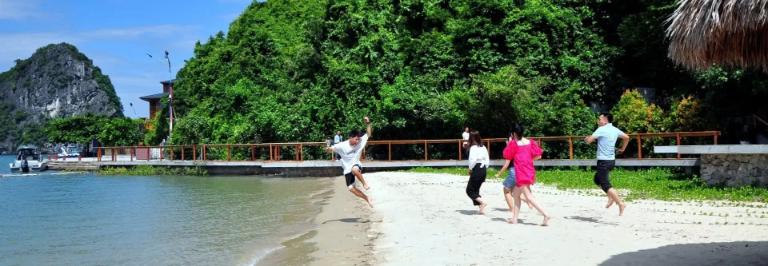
(22, 45)
(135, 32)
(18, 9)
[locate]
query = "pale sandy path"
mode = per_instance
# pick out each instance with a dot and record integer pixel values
(426, 219)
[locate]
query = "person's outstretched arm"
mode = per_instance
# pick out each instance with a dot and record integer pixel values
(624, 142)
(504, 167)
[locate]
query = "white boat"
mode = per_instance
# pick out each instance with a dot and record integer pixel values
(28, 158)
(70, 151)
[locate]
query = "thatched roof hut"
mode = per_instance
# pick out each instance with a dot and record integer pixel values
(723, 32)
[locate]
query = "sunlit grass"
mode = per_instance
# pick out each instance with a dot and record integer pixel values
(657, 183)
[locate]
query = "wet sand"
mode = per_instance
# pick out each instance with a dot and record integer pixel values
(340, 235)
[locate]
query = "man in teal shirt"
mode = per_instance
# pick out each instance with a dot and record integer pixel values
(606, 136)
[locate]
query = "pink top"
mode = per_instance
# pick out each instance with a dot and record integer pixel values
(525, 173)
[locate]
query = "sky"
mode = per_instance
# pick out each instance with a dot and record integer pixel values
(117, 35)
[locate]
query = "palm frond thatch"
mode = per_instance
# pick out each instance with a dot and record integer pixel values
(720, 32)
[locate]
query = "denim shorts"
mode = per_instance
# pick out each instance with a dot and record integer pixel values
(509, 182)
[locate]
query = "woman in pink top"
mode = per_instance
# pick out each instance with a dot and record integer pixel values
(525, 152)
(509, 182)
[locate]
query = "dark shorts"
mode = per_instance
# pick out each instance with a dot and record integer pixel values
(350, 177)
(602, 179)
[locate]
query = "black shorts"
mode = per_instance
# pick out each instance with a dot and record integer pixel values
(602, 179)
(350, 177)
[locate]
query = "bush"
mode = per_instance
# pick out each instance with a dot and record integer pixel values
(634, 115)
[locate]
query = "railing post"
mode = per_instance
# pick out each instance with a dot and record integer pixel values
(205, 155)
(253, 152)
(229, 152)
(715, 136)
(114, 155)
(182, 153)
(194, 152)
(677, 141)
(297, 152)
(133, 152)
(171, 147)
(98, 154)
(460, 150)
(271, 153)
(639, 147)
(161, 153)
(389, 151)
(426, 151)
(570, 148)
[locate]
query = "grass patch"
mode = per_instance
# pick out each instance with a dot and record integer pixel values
(661, 184)
(145, 170)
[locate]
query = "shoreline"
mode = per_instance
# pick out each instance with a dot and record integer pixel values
(344, 223)
(339, 235)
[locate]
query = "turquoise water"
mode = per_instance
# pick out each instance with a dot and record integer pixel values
(84, 219)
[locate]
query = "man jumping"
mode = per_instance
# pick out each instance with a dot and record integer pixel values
(606, 136)
(350, 151)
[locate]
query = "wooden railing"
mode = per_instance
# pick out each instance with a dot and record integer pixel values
(274, 151)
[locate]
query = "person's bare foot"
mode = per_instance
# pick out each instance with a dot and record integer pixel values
(482, 208)
(369, 203)
(366, 187)
(621, 208)
(610, 203)
(546, 221)
(511, 220)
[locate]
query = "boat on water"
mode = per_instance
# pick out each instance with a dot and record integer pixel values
(69, 151)
(28, 158)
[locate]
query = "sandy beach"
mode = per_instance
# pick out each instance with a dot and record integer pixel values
(343, 236)
(426, 219)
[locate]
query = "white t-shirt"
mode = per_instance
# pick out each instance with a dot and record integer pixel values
(350, 156)
(478, 154)
(465, 136)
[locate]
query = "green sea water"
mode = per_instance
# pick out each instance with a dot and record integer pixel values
(60, 218)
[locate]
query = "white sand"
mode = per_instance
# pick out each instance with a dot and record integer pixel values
(427, 219)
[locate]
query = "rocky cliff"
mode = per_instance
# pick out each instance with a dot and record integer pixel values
(56, 81)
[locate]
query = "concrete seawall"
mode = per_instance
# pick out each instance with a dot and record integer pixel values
(332, 168)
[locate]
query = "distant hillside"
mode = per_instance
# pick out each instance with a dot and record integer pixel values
(56, 81)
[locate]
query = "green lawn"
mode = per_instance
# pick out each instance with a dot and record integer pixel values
(144, 170)
(660, 184)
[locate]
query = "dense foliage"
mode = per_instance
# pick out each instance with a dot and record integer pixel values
(300, 70)
(84, 129)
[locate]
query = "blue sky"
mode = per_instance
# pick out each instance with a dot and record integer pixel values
(116, 35)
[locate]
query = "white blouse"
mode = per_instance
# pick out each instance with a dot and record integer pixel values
(478, 154)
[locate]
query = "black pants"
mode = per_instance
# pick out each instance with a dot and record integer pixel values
(476, 179)
(604, 168)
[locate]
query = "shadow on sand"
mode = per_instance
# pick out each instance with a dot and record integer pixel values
(349, 220)
(722, 253)
(469, 212)
(519, 221)
(588, 220)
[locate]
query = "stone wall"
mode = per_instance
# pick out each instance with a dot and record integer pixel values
(735, 170)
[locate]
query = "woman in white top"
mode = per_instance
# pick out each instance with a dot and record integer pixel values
(465, 138)
(478, 165)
